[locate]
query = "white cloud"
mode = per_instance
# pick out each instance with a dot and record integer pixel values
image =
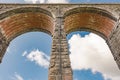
(38, 57)
(17, 77)
(35, 1)
(24, 53)
(46, 1)
(91, 52)
(57, 1)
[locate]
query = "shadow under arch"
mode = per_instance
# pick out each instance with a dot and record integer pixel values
(96, 20)
(21, 20)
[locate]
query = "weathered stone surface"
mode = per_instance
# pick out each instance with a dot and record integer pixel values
(58, 20)
(114, 43)
(60, 67)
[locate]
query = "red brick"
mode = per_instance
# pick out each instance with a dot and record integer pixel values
(89, 21)
(19, 23)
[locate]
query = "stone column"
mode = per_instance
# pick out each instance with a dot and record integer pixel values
(114, 44)
(60, 67)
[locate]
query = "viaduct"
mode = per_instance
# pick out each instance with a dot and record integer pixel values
(58, 20)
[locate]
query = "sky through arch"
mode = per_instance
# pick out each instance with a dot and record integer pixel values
(90, 54)
(27, 57)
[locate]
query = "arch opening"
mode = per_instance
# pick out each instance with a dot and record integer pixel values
(33, 49)
(98, 21)
(90, 55)
(26, 19)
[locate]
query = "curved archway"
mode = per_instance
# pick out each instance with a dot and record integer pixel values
(18, 21)
(25, 19)
(27, 53)
(88, 49)
(93, 19)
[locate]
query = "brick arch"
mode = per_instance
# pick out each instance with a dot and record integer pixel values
(92, 19)
(21, 20)
(98, 21)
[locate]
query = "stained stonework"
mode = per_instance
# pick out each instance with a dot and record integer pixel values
(114, 43)
(58, 20)
(60, 67)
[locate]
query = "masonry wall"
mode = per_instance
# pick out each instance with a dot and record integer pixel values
(114, 43)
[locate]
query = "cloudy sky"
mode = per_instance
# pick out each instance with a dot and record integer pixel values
(28, 55)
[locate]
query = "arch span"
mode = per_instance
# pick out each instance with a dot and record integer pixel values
(96, 20)
(89, 18)
(21, 20)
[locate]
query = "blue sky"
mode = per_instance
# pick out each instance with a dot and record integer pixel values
(60, 1)
(27, 57)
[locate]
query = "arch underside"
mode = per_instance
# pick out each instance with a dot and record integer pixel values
(100, 22)
(91, 19)
(24, 22)
(16, 22)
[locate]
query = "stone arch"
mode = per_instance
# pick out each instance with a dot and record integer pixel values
(96, 20)
(92, 19)
(21, 20)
